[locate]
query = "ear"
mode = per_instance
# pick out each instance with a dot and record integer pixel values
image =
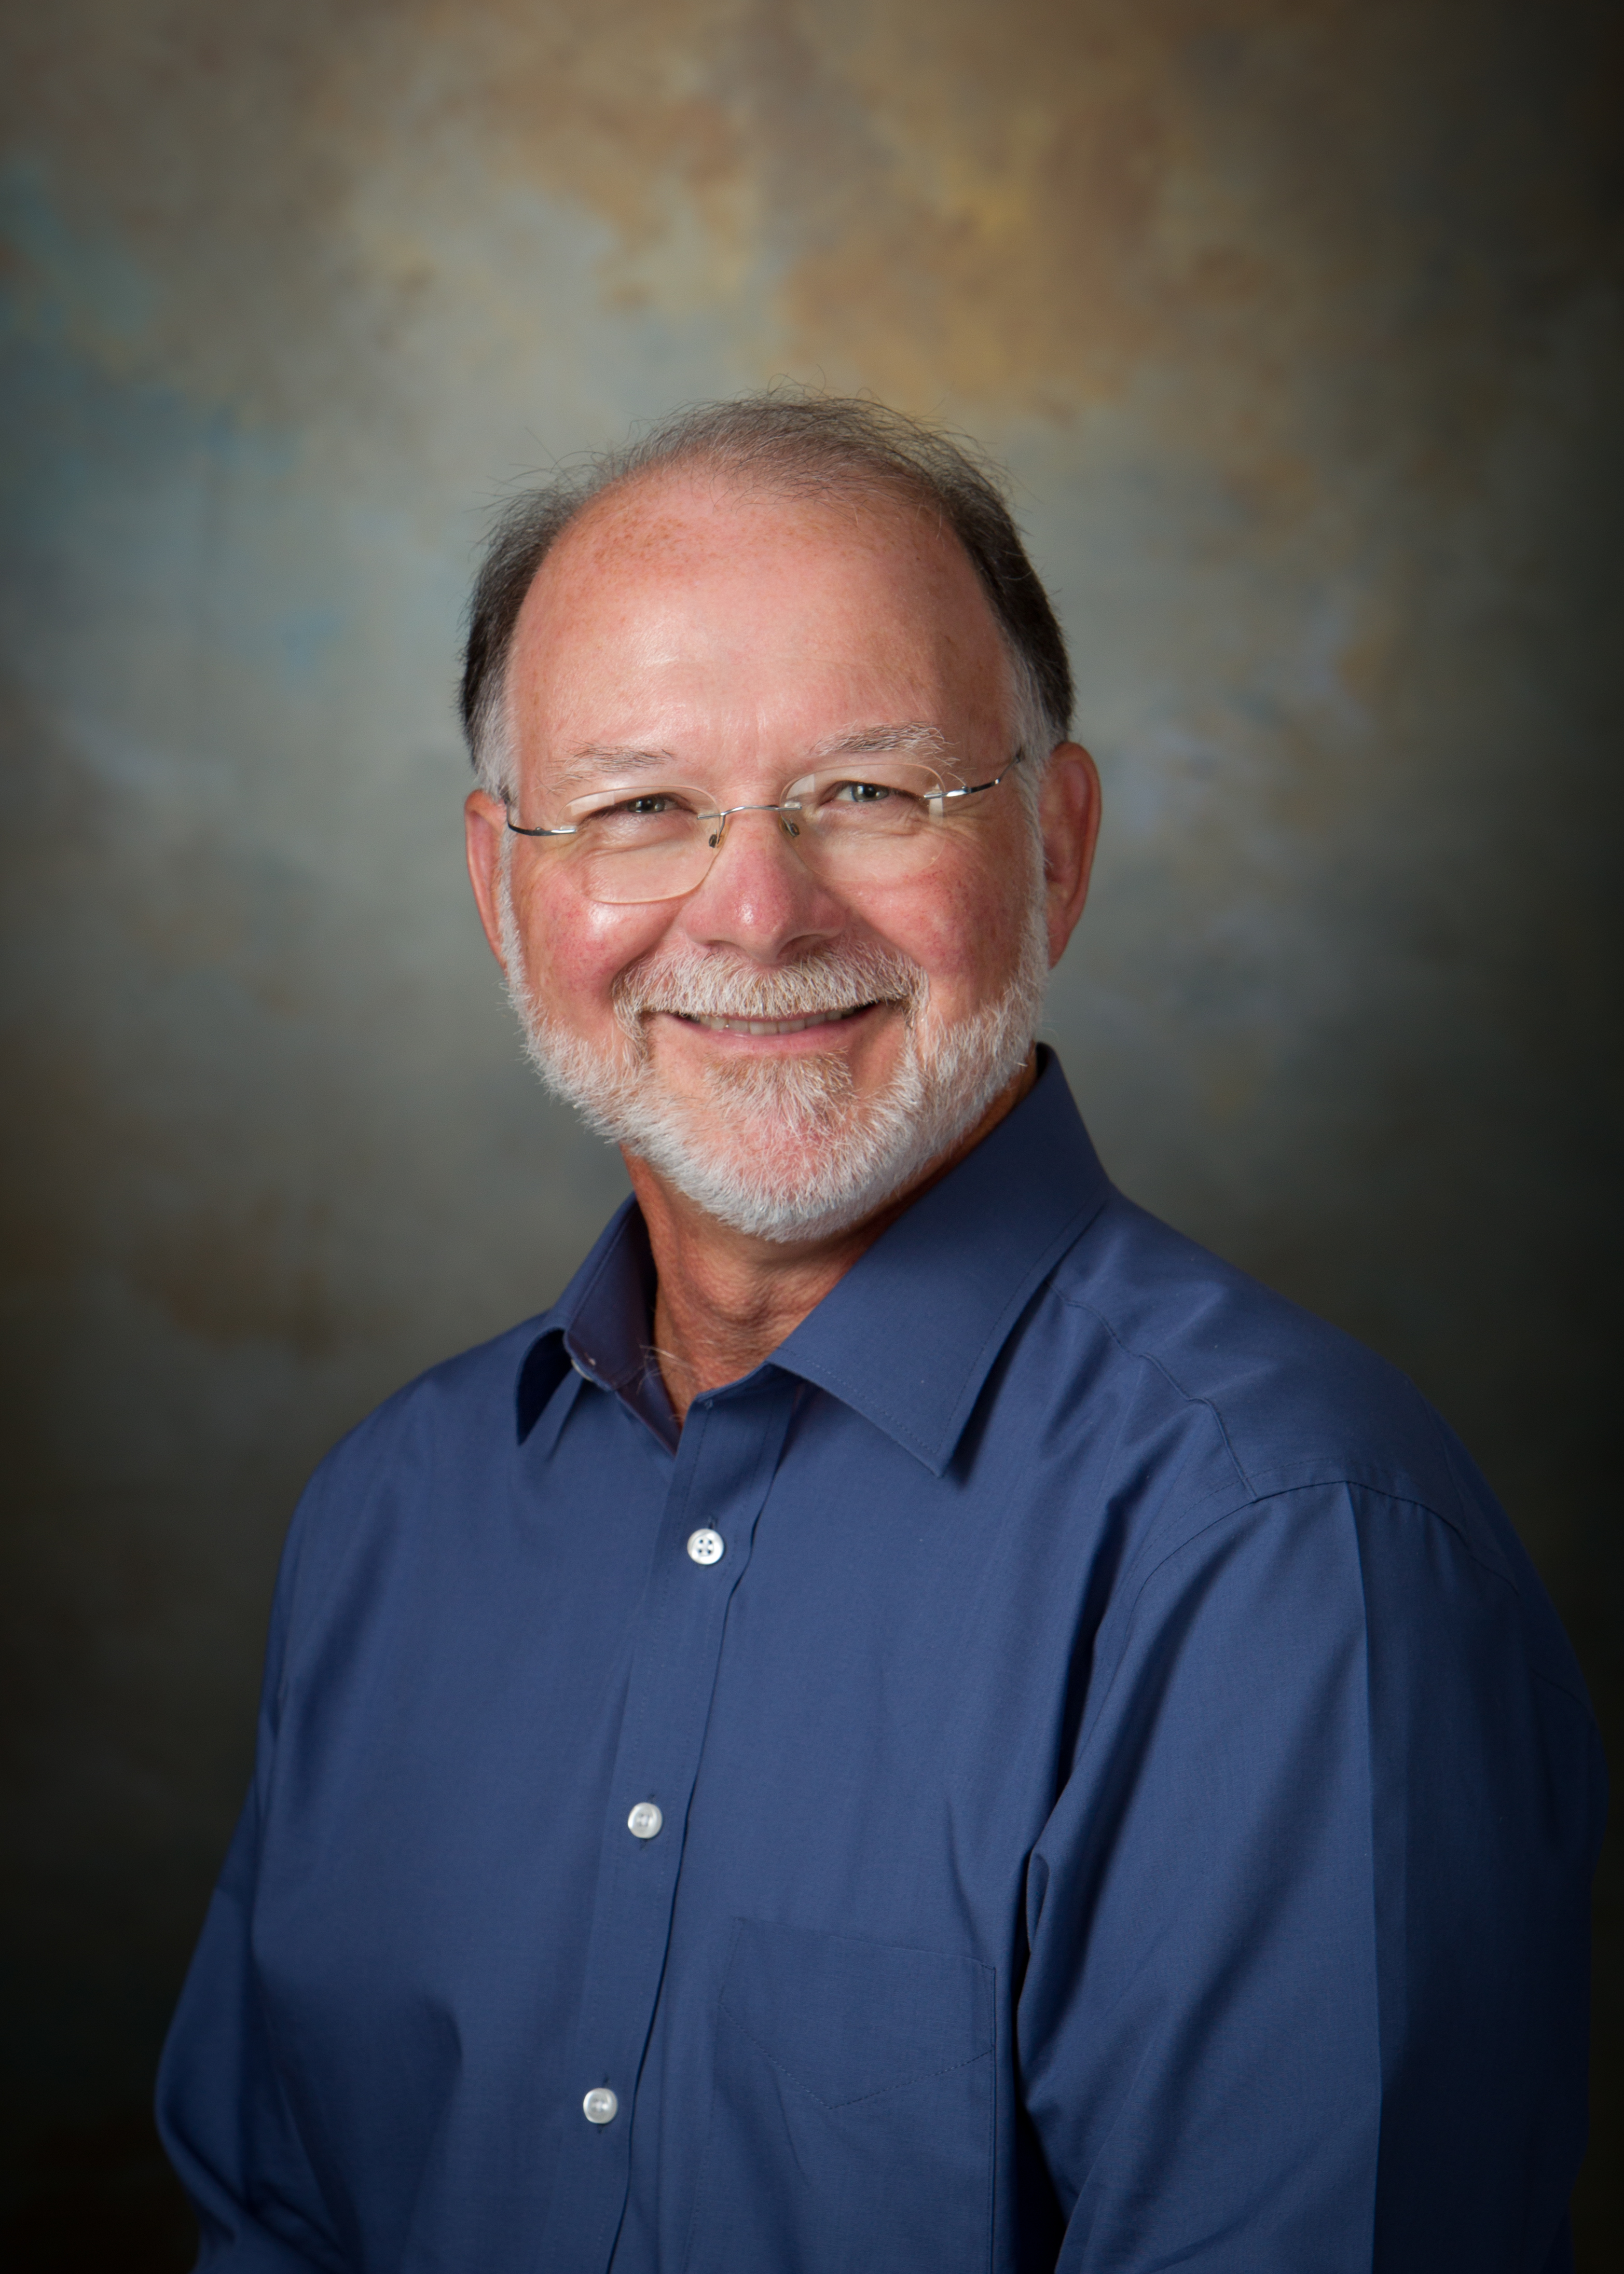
(484, 823)
(1069, 811)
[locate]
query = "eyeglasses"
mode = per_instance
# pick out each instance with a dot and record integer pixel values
(869, 820)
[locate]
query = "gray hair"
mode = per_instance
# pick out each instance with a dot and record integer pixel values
(795, 441)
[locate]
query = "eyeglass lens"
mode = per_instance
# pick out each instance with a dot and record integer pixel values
(879, 825)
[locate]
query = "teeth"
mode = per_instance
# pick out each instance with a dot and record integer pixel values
(772, 1026)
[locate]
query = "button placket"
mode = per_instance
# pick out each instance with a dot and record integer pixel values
(727, 1461)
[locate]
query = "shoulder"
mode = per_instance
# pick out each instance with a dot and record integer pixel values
(1288, 1392)
(460, 1404)
(440, 1446)
(1243, 1413)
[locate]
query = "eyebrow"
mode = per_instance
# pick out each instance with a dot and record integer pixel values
(914, 736)
(588, 764)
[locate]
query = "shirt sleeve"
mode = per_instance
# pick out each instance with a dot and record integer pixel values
(1309, 1926)
(223, 2114)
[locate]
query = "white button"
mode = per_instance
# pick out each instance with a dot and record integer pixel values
(644, 1820)
(706, 1546)
(600, 2105)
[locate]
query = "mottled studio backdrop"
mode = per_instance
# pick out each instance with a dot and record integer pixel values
(1298, 323)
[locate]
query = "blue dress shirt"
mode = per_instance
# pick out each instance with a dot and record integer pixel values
(1064, 1765)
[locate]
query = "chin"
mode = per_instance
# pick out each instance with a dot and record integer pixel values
(794, 1148)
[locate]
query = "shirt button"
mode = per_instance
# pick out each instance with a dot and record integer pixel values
(644, 1820)
(706, 1546)
(600, 2105)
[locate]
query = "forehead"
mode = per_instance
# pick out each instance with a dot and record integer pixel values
(686, 604)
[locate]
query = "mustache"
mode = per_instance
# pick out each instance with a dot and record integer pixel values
(716, 984)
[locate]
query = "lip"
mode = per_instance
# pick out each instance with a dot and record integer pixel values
(717, 1026)
(777, 1034)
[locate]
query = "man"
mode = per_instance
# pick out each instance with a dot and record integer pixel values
(915, 1721)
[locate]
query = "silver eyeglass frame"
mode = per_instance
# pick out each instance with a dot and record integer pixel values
(938, 801)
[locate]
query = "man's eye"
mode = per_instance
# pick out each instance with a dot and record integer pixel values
(652, 805)
(861, 793)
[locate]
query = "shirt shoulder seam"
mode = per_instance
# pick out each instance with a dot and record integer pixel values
(1349, 1483)
(1148, 1357)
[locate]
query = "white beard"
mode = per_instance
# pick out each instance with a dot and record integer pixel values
(788, 1149)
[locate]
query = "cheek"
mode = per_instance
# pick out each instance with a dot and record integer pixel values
(575, 949)
(964, 926)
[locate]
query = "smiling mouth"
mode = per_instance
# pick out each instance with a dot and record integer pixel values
(772, 1026)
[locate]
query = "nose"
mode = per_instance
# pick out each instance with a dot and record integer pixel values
(758, 895)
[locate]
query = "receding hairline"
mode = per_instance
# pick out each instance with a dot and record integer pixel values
(870, 492)
(877, 502)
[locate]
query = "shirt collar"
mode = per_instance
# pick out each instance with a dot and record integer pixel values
(602, 1325)
(907, 1337)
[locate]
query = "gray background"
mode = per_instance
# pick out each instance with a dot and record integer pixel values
(1298, 324)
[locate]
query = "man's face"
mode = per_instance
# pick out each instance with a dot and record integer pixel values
(688, 632)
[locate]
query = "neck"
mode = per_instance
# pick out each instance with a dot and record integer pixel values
(726, 1299)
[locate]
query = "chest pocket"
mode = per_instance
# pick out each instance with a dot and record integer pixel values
(852, 2122)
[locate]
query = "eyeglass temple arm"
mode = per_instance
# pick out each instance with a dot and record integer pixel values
(975, 789)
